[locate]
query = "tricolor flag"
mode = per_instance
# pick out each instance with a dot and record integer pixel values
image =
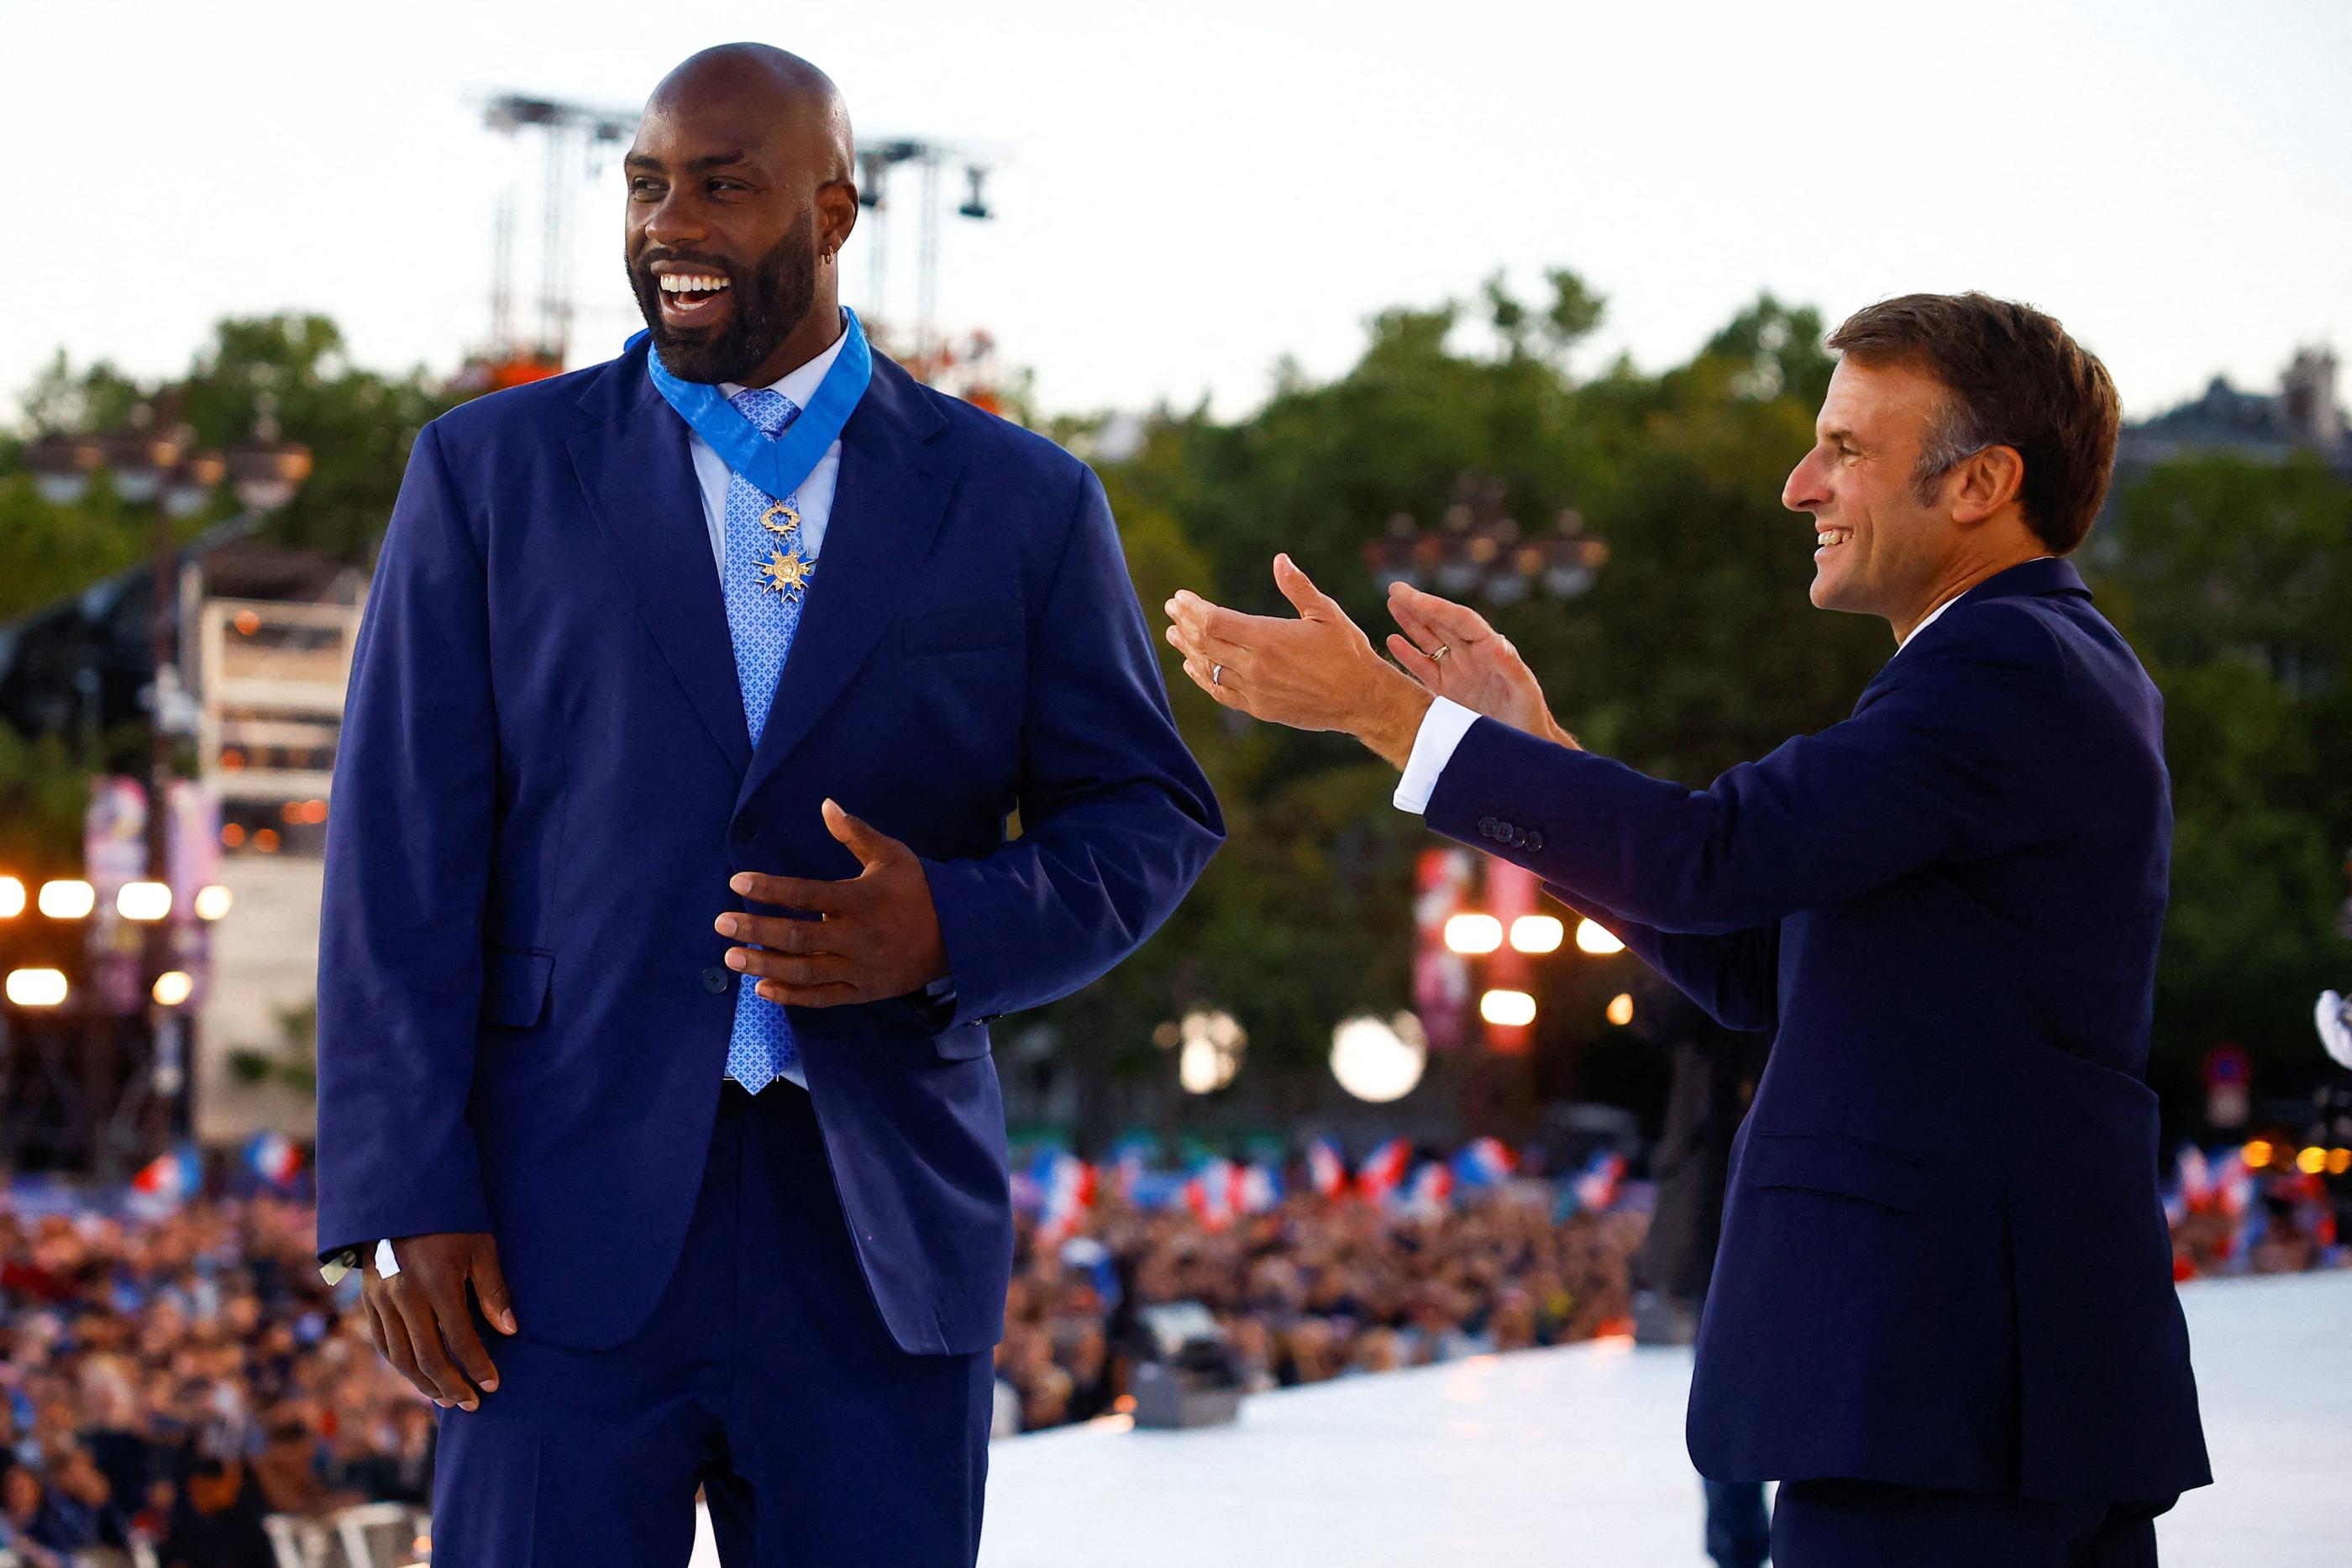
(173, 1177)
(1482, 1163)
(275, 1158)
(1428, 1191)
(1383, 1170)
(1209, 1193)
(2193, 1185)
(1127, 1160)
(1065, 1190)
(1596, 1185)
(1256, 1188)
(1327, 1167)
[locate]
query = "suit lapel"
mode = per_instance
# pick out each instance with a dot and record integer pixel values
(892, 492)
(632, 460)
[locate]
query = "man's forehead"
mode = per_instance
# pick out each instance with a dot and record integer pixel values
(1870, 396)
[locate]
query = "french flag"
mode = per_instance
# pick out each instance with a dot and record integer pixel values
(1130, 1157)
(1327, 1167)
(1209, 1193)
(275, 1158)
(1066, 1186)
(2233, 1184)
(1482, 1163)
(174, 1178)
(1257, 1188)
(1384, 1169)
(2193, 1186)
(1428, 1191)
(1596, 1185)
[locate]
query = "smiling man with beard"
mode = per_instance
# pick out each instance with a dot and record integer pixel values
(1942, 1312)
(656, 1093)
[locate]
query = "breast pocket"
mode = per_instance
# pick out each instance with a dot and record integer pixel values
(967, 630)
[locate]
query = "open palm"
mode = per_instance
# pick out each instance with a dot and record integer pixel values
(1479, 668)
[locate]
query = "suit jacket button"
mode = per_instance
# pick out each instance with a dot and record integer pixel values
(1535, 840)
(746, 831)
(716, 980)
(1486, 827)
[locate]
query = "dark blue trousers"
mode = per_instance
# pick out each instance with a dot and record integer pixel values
(1738, 1531)
(765, 1378)
(1876, 1524)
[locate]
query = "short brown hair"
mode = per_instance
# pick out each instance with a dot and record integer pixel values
(2016, 380)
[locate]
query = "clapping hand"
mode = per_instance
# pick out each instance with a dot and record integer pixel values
(1453, 651)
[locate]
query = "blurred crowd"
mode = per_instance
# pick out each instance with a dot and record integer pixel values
(1313, 1290)
(172, 1380)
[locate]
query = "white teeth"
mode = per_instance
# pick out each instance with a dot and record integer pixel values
(680, 283)
(1827, 537)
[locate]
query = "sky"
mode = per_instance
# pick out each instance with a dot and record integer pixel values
(1188, 195)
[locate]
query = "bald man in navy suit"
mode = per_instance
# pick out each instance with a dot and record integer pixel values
(670, 896)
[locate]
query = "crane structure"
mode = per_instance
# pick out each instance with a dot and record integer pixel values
(574, 140)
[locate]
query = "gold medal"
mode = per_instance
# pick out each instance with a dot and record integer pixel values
(785, 509)
(787, 574)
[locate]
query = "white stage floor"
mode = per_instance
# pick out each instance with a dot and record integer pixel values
(1573, 1459)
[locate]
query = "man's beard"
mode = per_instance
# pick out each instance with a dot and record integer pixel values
(766, 308)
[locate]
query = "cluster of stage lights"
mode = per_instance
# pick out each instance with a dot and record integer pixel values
(2261, 1153)
(1474, 935)
(71, 899)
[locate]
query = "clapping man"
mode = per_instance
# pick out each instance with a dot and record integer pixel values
(1942, 1314)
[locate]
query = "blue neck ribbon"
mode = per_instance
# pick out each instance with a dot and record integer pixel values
(777, 466)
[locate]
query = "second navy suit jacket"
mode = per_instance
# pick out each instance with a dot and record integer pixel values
(546, 780)
(1943, 1259)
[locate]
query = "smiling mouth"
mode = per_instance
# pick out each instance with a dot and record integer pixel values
(688, 299)
(1828, 540)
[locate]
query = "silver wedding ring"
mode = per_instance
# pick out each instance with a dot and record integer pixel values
(1442, 651)
(1216, 674)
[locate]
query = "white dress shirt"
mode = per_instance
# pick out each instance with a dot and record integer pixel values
(1445, 723)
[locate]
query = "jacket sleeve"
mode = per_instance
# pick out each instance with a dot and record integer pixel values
(1734, 977)
(1946, 756)
(1117, 818)
(408, 857)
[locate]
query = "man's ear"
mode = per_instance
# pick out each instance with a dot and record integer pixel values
(1987, 481)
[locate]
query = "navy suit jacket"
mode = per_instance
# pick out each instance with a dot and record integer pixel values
(545, 781)
(1943, 1257)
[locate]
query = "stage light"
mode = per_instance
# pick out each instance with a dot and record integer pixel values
(1594, 938)
(2339, 1161)
(1214, 1043)
(1377, 1062)
(2312, 1161)
(212, 902)
(1537, 933)
(1512, 1010)
(1473, 933)
(145, 901)
(36, 988)
(12, 898)
(2257, 1154)
(173, 987)
(68, 899)
(1621, 1011)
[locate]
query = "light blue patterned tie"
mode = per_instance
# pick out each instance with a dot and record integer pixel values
(761, 623)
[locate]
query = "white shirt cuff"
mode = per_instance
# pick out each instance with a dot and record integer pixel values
(386, 1264)
(1442, 729)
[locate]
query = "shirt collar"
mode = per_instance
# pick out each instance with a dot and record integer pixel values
(799, 384)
